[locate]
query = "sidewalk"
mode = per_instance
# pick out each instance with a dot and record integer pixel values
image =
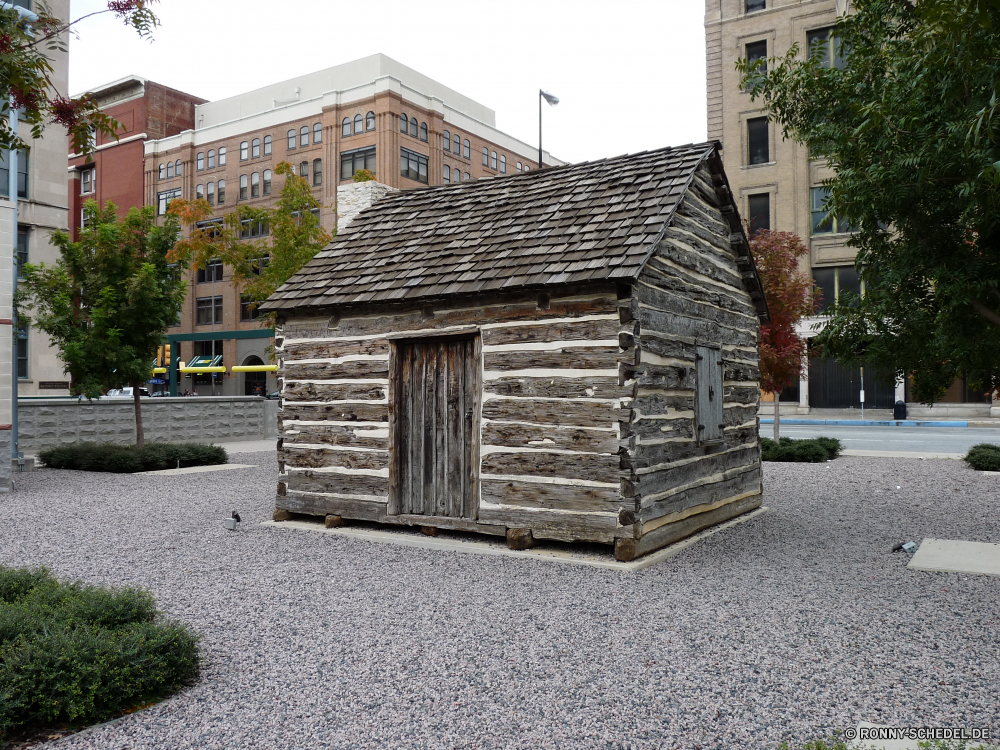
(872, 418)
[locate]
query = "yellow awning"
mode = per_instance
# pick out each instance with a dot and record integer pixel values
(255, 368)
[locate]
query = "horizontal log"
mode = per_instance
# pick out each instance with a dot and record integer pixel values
(674, 246)
(551, 496)
(563, 413)
(658, 429)
(334, 391)
(549, 436)
(696, 328)
(356, 412)
(674, 302)
(652, 403)
(588, 387)
(313, 504)
(673, 280)
(707, 465)
(341, 484)
(652, 454)
(347, 437)
(706, 494)
(309, 458)
(673, 377)
(674, 532)
(585, 466)
(368, 369)
(570, 357)
(334, 349)
(742, 394)
(582, 330)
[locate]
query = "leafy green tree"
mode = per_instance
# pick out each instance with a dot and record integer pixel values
(260, 266)
(908, 120)
(108, 301)
(26, 73)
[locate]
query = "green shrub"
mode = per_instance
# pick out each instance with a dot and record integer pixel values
(71, 653)
(126, 459)
(814, 450)
(984, 457)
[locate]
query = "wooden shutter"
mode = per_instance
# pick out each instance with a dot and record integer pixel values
(709, 395)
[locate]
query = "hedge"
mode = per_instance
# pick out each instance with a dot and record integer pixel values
(72, 654)
(126, 459)
(813, 450)
(984, 457)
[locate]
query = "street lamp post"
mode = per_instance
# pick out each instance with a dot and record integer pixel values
(553, 100)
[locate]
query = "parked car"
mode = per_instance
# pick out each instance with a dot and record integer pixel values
(126, 393)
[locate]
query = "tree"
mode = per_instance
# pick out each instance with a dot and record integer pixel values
(908, 119)
(790, 297)
(26, 73)
(108, 301)
(259, 267)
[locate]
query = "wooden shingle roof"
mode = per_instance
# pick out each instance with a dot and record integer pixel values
(595, 221)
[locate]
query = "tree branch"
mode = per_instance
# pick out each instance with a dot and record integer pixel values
(986, 313)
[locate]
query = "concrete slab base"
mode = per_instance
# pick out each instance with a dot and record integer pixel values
(474, 544)
(956, 556)
(198, 469)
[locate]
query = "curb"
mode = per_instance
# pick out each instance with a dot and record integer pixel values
(878, 422)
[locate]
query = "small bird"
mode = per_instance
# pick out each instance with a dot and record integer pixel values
(236, 517)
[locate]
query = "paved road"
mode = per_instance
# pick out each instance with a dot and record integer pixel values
(909, 439)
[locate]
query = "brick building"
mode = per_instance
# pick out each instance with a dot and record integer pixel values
(777, 185)
(373, 113)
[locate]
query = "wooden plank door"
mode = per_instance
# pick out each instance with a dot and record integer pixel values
(434, 440)
(709, 403)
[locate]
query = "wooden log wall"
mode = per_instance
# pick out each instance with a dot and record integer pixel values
(552, 414)
(691, 293)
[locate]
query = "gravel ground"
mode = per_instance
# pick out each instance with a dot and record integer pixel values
(786, 627)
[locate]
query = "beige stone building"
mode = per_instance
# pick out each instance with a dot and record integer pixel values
(373, 113)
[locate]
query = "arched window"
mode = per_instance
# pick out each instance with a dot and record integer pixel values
(446, 140)
(423, 131)
(291, 139)
(503, 163)
(458, 145)
(447, 173)
(519, 166)
(345, 127)
(466, 177)
(170, 169)
(200, 161)
(163, 172)
(254, 383)
(177, 167)
(466, 148)
(267, 145)
(255, 148)
(267, 182)
(222, 192)
(493, 160)
(244, 151)
(370, 121)
(211, 194)
(222, 156)
(317, 172)
(211, 158)
(199, 192)
(304, 135)
(243, 187)
(358, 124)
(413, 126)
(458, 175)
(255, 185)
(304, 170)
(318, 132)
(403, 123)
(486, 156)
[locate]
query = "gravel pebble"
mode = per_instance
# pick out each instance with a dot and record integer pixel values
(787, 627)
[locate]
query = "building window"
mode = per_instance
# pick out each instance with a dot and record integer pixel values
(199, 192)
(834, 281)
(199, 163)
(403, 123)
(759, 150)
(249, 310)
(222, 192)
(170, 169)
(370, 121)
(757, 51)
(258, 265)
(519, 166)
(291, 139)
(317, 172)
(243, 187)
(446, 140)
(352, 162)
(255, 185)
(210, 195)
(358, 124)
(88, 181)
(244, 151)
(255, 148)
(446, 174)
(493, 160)
(21, 253)
(825, 46)
(759, 212)
(83, 218)
(267, 182)
(486, 156)
(458, 145)
(345, 127)
(414, 127)
(162, 175)
(21, 344)
(304, 136)
(318, 132)
(456, 175)
(413, 165)
(466, 149)
(208, 311)
(250, 229)
(222, 156)
(211, 158)
(823, 221)
(212, 272)
(423, 132)
(753, 6)
(177, 167)
(267, 145)
(163, 200)
(304, 170)
(466, 177)
(503, 164)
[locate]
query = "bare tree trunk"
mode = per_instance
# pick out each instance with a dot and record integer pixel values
(140, 437)
(777, 415)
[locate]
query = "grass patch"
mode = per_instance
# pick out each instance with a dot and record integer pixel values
(984, 457)
(76, 654)
(813, 450)
(127, 459)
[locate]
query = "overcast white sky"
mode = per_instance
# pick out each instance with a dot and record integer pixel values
(630, 73)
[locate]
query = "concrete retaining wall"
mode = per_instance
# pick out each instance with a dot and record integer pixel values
(47, 423)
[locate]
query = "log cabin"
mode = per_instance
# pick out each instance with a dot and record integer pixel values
(567, 354)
